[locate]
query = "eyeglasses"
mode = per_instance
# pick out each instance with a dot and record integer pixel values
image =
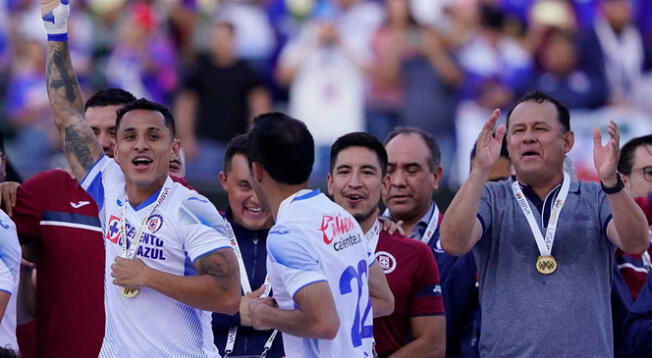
(646, 171)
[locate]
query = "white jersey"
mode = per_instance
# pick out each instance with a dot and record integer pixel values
(316, 240)
(10, 255)
(183, 228)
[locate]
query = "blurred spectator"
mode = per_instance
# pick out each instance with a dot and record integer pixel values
(497, 67)
(220, 93)
(560, 76)
(415, 78)
(325, 69)
(614, 49)
(28, 109)
(143, 60)
(255, 41)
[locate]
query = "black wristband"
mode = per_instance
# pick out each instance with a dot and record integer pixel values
(614, 189)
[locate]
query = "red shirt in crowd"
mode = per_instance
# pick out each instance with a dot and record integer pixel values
(60, 219)
(413, 277)
(634, 268)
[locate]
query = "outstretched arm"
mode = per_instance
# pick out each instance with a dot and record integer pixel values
(80, 145)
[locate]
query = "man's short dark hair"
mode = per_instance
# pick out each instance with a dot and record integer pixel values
(109, 97)
(283, 146)
(626, 161)
(563, 115)
(237, 145)
(150, 106)
(431, 143)
(360, 139)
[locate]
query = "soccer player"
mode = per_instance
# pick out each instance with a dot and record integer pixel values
(537, 292)
(167, 258)
(57, 221)
(251, 224)
(325, 279)
(417, 327)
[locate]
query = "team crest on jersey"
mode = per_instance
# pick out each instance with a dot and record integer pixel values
(113, 229)
(437, 247)
(154, 223)
(386, 261)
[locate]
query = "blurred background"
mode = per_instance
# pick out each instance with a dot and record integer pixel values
(338, 65)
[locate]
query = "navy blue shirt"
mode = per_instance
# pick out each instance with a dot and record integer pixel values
(254, 254)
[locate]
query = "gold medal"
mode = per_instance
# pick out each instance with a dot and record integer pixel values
(546, 264)
(129, 292)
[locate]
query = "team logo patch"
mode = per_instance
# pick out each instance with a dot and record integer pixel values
(154, 223)
(113, 229)
(387, 261)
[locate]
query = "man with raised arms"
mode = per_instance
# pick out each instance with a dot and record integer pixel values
(324, 276)
(168, 260)
(543, 242)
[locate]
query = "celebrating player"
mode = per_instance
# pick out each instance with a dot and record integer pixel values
(153, 302)
(325, 279)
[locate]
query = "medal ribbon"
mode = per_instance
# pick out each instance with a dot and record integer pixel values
(130, 253)
(544, 244)
(246, 288)
(432, 225)
(372, 235)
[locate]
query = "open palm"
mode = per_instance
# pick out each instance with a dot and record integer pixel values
(605, 157)
(488, 146)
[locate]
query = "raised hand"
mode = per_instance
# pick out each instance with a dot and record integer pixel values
(487, 148)
(605, 157)
(55, 15)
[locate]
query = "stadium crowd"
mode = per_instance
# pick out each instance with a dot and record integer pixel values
(119, 256)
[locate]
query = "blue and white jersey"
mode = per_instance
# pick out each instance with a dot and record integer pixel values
(183, 228)
(10, 256)
(316, 240)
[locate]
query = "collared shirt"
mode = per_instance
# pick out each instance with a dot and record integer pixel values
(420, 227)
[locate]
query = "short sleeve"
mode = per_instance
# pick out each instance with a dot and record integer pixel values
(426, 297)
(29, 207)
(105, 170)
(484, 211)
(203, 229)
(10, 254)
(6, 279)
(292, 255)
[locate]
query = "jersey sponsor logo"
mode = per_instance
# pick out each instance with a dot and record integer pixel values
(154, 223)
(437, 290)
(79, 204)
(113, 229)
(332, 227)
(387, 261)
(3, 225)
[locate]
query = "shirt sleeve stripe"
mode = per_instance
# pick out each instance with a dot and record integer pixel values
(209, 252)
(307, 284)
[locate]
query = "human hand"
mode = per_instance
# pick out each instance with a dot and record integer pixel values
(245, 318)
(55, 14)
(605, 158)
(488, 146)
(8, 193)
(129, 273)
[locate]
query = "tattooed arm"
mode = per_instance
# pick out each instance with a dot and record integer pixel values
(80, 145)
(216, 288)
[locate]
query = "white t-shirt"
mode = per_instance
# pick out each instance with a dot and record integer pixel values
(184, 227)
(316, 240)
(10, 255)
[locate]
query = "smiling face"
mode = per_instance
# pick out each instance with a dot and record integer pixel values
(243, 201)
(102, 121)
(412, 180)
(536, 142)
(144, 147)
(356, 181)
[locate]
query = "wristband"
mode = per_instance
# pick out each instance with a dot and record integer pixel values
(614, 189)
(56, 22)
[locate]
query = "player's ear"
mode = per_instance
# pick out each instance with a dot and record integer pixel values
(116, 155)
(329, 182)
(175, 148)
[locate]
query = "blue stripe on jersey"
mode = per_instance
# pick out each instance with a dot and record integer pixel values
(188, 268)
(311, 348)
(307, 284)
(307, 195)
(71, 218)
(290, 252)
(88, 172)
(210, 252)
(96, 190)
(9, 292)
(151, 199)
(190, 340)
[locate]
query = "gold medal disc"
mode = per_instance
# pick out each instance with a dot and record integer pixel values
(546, 264)
(129, 292)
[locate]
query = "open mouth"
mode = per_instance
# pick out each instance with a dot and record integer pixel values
(141, 162)
(354, 198)
(254, 210)
(530, 154)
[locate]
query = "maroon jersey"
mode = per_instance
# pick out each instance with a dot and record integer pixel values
(413, 277)
(634, 268)
(56, 215)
